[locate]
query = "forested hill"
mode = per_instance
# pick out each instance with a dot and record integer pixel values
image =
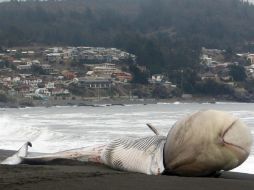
(164, 34)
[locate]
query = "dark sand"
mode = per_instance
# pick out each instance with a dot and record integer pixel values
(64, 175)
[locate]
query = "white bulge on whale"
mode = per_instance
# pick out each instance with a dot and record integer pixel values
(200, 144)
(206, 142)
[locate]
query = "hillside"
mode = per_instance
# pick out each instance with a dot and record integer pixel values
(166, 35)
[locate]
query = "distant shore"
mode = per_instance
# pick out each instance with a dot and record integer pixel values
(67, 175)
(111, 102)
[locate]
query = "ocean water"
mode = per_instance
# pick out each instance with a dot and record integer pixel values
(60, 128)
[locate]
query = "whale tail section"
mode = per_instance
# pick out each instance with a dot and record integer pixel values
(85, 154)
(19, 156)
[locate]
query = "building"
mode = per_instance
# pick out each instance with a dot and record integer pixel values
(250, 71)
(206, 60)
(208, 76)
(59, 92)
(50, 85)
(54, 57)
(122, 76)
(69, 75)
(42, 92)
(250, 57)
(157, 78)
(94, 82)
(23, 89)
(102, 70)
(47, 68)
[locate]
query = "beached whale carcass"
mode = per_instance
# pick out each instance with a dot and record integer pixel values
(206, 142)
(200, 144)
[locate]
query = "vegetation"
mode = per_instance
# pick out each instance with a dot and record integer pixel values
(38, 70)
(166, 35)
(4, 64)
(163, 34)
(76, 90)
(139, 77)
(238, 73)
(213, 88)
(161, 92)
(3, 97)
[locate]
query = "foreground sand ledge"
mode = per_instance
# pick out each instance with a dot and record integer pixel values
(79, 176)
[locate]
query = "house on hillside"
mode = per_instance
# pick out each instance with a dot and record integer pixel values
(122, 76)
(50, 85)
(59, 92)
(104, 71)
(6, 81)
(206, 60)
(157, 78)
(94, 82)
(69, 75)
(23, 89)
(250, 57)
(32, 81)
(250, 71)
(54, 57)
(209, 76)
(24, 65)
(47, 68)
(42, 92)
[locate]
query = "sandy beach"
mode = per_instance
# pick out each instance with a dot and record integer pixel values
(75, 175)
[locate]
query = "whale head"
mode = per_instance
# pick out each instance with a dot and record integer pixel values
(206, 142)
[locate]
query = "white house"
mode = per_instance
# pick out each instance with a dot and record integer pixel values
(157, 78)
(16, 79)
(42, 92)
(251, 58)
(206, 60)
(50, 85)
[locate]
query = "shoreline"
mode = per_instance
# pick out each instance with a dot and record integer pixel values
(114, 102)
(75, 175)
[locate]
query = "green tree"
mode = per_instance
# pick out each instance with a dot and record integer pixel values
(229, 54)
(38, 70)
(3, 97)
(161, 92)
(166, 35)
(237, 72)
(211, 87)
(139, 77)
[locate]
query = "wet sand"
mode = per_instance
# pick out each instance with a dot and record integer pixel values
(63, 175)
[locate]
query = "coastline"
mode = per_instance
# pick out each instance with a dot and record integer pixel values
(93, 102)
(75, 175)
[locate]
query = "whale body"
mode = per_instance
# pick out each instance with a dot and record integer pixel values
(206, 142)
(200, 144)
